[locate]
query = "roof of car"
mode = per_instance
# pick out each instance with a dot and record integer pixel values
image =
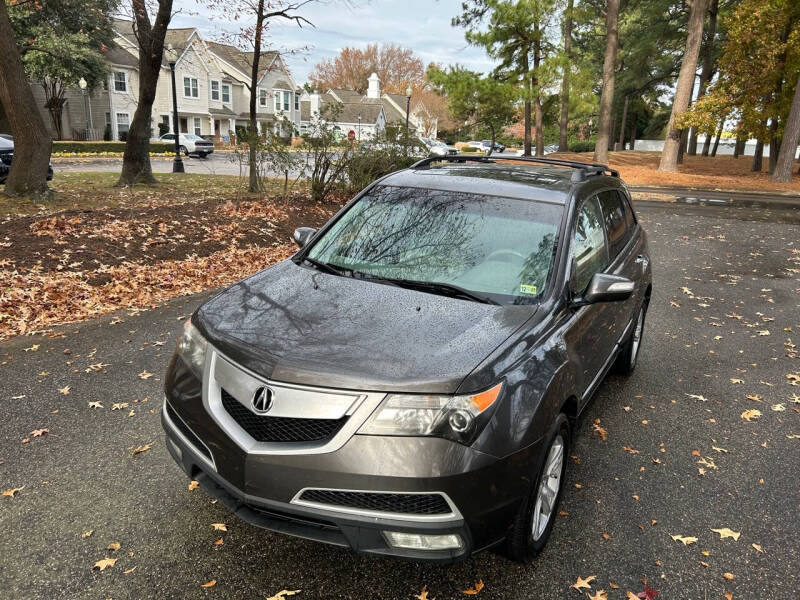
(544, 183)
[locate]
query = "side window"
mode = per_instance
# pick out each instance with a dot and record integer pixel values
(616, 224)
(629, 216)
(590, 254)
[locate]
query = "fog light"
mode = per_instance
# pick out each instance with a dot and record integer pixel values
(417, 541)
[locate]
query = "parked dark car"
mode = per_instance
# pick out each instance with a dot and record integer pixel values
(407, 383)
(6, 157)
(498, 147)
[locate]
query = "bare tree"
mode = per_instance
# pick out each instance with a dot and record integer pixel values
(791, 138)
(562, 124)
(136, 166)
(609, 68)
(257, 14)
(32, 142)
(683, 90)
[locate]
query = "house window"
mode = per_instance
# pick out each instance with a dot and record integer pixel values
(214, 90)
(108, 118)
(197, 126)
(277, 95)
(286, 100)
(296, 101)
(262, 97)
(226, 93)
(120, 83)
(190, 87)
(123, 125)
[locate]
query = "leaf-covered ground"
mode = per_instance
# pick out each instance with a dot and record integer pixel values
(682, 482)
(96, 248)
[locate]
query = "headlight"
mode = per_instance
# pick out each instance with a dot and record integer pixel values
(457, 418)
(192, 348)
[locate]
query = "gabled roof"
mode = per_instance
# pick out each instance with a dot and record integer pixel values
(179, 37)
(243, 61)
(344, 95)
(392, 114)
(118, 56)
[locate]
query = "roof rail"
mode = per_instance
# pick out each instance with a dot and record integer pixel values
(583, 170)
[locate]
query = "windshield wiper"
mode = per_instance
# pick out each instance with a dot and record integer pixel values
(435, 287)
(326, 267)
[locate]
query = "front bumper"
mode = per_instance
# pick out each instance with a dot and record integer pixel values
(263, 483)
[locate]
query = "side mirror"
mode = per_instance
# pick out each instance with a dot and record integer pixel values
(607, 288)
(302, 235)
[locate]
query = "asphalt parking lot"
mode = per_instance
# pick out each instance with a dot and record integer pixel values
(664, 453)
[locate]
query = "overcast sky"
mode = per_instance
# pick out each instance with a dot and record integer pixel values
(422, 25)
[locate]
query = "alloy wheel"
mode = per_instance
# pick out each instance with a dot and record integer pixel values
(549, 486)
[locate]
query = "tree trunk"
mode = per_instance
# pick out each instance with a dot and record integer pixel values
(526, 119)
(634, 123)
(607, 94)
(136, 166)
(612, 130)
(683, 90)
(562, 125)
(791, 138)
(622, 124)
(716, 141)
(252, 138)
(32, 143)
(682, 146)
(758, 157)
(706, 72)
(774, 145)
(738, 148)
(537, 103)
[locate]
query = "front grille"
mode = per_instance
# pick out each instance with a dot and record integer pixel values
(407, 504)
(280, 429)
(292, 518)
(188, 433)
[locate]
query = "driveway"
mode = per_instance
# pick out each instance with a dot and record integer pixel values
(664, 453)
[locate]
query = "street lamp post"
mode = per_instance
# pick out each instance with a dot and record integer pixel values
(82, 84)
(408, 107)
(177, 163)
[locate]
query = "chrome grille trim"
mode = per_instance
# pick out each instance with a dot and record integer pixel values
(175, 430)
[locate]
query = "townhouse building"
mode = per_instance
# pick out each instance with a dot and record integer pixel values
(213, 95)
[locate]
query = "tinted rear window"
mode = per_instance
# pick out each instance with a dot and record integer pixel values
(616, 221)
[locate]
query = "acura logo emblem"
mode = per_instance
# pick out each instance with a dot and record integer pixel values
(262, 400)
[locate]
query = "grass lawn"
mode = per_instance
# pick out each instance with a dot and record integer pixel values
(95, 248)
(718, 173)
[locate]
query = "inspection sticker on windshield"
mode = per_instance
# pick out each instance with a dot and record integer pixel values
(524, 288)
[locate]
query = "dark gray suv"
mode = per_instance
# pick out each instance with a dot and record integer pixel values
(406, 384)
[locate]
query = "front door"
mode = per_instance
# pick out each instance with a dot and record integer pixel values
(590, 336)
(216, 129)
(184, 125)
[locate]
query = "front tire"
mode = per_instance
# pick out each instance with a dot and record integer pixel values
(183, 150)
(536, 516)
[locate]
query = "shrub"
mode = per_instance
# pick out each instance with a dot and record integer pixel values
(372, 162)
(581, 146)
(103, 147)
(468, 149)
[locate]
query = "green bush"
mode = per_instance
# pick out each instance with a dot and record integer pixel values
(370, 163)
(467, 149)
(585, 146)
(101, 147)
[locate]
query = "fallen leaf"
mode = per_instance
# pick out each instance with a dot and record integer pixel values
(630, 450)
(684, 540)
(283, 593)
(727, 533)
(86, 534)
(736, 381)
(119, 405)
(727, 596)
(778, 407)
(39, 432)
(423, 595)
(113, 546)
(129, 571)
(751, 414)
(754, 397)
(600, 595)
(105, 563)
(209, 584)
(758, 547)
(140, 449)
(146, 375)
(193, 485)
(95, 405)
(474, 589)
(698, 397)
(606, 536)
(219, 542)
(219, 527)
(64, 390)
(729, 576)
(613, 585)
(582, 583)
(12, 492)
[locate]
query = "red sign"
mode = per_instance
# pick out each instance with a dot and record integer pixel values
(351, 135)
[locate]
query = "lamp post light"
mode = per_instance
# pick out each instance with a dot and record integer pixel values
(408, 107)
(82, 84)
(172, 58)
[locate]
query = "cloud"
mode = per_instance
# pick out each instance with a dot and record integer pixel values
(422, 25)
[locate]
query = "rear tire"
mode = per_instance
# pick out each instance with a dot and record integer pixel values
(626, 361)
(529, 532)
(183, 150)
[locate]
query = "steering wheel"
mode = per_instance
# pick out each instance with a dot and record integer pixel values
(503, 251)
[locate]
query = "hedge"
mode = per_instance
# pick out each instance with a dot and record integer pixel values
(101, 147)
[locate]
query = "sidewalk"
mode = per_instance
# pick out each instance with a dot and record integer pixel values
(699, 195)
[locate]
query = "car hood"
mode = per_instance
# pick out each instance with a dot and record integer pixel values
(297, 325)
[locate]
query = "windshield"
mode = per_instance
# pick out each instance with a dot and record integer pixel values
(192, 136)
(501, 248)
